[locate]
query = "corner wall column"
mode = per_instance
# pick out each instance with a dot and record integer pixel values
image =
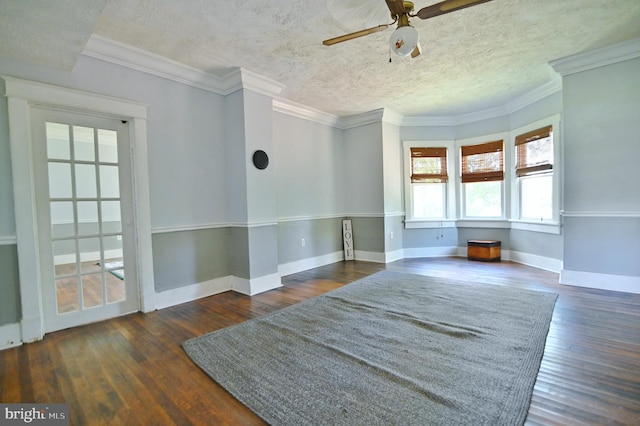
(252, 191)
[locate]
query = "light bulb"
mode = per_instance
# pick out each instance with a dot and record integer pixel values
(404, 40)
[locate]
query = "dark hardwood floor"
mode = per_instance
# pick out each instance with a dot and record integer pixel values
(132, 370)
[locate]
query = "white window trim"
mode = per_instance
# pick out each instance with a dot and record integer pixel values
(483, 223)
(448, 221)
(506, 196)
(544, 227)
(22, 95)
(552, 225)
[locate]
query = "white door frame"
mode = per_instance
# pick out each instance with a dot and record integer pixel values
(22, 95)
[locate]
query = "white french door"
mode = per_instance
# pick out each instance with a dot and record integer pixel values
(84, 204)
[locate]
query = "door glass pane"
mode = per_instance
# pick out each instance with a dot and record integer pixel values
(109, 182)
(92, 290)
(86, 181)
(107, 146)
(60, 180)
(64, 257)
(67, 295)
(114, 279)
(89, 254)
(112, 247)
(58, 141)
(111, 217)
(62, 219)
(88, 218)
(83, 145)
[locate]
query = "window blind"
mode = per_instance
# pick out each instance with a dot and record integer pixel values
(483, 162)
(429, 165)
(534, 151)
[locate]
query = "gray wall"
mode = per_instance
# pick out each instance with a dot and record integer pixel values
(539, 244)
(9, 285)
(430, 237)
(322, 237)
(188, 257)
(309, 161)
(601, 173)
(368, 234)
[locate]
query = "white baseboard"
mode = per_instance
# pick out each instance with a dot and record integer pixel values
(31, 329)
(392, 256)
(192, 292)
(541, 262)
(254, 286)
(610, 282)
(10, 336)
(258, 285)
(310, 263)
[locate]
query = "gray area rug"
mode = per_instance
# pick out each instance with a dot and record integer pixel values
(391, 348)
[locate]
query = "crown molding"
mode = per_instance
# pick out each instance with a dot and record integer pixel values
(363, 119)
(387, 115)
(534, 95)
(238, 78)
(392, 117)
(291, 108)
(241, 78)
(549, 88)
(140, 60)
(608, 55)
(434, 120)
(485, 114)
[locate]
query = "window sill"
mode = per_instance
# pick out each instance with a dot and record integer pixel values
(544, 227)
(483, 223)
(417, 223)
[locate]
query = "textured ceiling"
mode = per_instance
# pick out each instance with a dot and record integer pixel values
(473, 59)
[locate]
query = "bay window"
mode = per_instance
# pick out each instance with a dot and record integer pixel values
(429, 191)
(534, 171)
(482, 176)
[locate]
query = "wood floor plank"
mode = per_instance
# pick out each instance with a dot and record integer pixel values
(132, 370)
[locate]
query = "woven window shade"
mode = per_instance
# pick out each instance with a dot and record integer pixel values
(534, 151)
(483, 162)
(429, 165)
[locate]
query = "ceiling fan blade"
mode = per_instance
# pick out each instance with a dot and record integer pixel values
(446, 6)
(396, 7)
(355, 35)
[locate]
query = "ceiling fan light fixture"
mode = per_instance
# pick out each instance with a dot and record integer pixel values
(404, 40)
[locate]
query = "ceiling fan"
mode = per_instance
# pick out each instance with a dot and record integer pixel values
(404, 40)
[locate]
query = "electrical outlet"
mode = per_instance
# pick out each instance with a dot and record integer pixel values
(302, 242)
(391, 235)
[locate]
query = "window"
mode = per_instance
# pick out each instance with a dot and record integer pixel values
(429, 192)
(428, 182)
(482, 176)
(534, 170)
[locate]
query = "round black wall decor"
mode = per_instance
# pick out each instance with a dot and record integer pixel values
(260, 159)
